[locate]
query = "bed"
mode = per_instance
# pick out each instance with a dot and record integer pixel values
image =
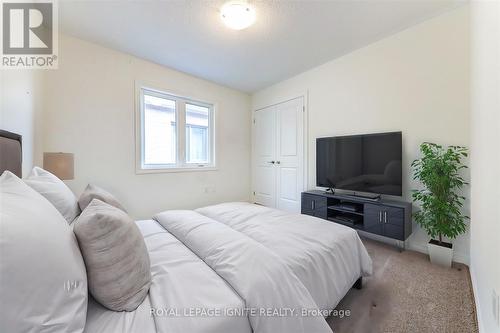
(181, 282)
(232, 267)
(327, 257)
(11, 152)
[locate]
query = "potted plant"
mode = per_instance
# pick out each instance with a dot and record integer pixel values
(441, 206)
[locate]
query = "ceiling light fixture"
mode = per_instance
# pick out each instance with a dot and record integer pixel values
(237, 15)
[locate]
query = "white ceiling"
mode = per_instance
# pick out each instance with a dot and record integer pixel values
(288, 37)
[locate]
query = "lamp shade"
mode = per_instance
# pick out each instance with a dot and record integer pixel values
(59, 164)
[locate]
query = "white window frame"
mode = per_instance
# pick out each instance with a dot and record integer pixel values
(180, 165)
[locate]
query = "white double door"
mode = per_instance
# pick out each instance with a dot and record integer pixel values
(278, 150)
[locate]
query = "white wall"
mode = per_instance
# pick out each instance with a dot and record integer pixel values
(416, 81)
(485, 158)
(89, 111)
(20, 110)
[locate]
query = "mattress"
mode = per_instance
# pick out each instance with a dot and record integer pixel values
(182, 285)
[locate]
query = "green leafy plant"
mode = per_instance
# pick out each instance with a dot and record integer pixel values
(441, 207)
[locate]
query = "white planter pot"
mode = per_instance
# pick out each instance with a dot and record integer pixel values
(439, 254)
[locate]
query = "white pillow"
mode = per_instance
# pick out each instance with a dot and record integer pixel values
(54, 190)
(43, 280)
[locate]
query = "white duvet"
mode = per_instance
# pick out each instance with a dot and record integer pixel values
(327, 257)
(275, 297)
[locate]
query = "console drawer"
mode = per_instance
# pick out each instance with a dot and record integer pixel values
(384, 220)
(312, 204)
(394, 216)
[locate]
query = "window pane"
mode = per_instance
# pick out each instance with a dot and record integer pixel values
(159, 130)
(197, 134)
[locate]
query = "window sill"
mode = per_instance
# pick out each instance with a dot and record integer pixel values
(174, 170)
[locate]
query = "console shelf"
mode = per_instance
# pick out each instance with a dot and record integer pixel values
(354, 226)
(340, 209)
(387, 218)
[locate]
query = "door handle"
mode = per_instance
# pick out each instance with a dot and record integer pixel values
(271, 162)
(313, 205)
(278, 162)
(385, 216)
(380, 216)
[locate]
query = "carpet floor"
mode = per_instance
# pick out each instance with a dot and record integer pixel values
(408, 294)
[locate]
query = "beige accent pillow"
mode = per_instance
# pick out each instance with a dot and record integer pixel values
(116, 257)
(43, 284)
(55, 191)
(95, 192)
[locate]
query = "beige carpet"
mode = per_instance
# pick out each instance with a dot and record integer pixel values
(408, 294)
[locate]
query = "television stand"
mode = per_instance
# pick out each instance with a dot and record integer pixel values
(388, 218)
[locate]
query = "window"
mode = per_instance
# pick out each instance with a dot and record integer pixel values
(174, 132)
(197, 133)
(159, 130)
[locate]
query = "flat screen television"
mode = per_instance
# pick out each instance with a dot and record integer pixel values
(368, 163)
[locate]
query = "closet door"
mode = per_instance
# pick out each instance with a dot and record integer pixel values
(265, 156)
(289, 154)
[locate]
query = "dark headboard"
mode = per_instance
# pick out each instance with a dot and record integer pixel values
(11, 152)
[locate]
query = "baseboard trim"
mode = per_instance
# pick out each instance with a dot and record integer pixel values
(476, 300)
(422, 248)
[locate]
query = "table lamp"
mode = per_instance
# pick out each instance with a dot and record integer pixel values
(59, 164)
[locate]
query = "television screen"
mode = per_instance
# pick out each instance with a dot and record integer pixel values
(360, 163)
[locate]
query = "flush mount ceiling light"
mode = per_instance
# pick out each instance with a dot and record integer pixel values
(237, 15)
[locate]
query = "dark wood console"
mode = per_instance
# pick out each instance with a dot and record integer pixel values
(388, 218)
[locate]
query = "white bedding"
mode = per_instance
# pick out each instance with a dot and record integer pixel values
(271, 291)
(247, 256)
(327, 257)
(181, 283)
